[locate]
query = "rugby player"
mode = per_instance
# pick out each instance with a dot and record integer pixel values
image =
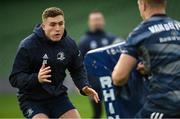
(96, 37)
(156, 41)
(39, 70)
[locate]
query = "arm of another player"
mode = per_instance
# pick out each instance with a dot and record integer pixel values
(122, 69)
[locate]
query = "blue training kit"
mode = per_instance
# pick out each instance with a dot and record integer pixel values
(156, 41)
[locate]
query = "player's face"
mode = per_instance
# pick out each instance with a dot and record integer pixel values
(96, 21)
(54, 27)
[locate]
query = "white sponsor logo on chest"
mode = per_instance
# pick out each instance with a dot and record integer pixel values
(45, 58)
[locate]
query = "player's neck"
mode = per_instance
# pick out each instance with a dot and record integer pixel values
(152, 12)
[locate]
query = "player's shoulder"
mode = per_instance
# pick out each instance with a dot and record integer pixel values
(142, 27)
(114, 38)
(69, 39)
(110, 35)
(70, 42)
(28, 41)
(85, 38)
(141, 32)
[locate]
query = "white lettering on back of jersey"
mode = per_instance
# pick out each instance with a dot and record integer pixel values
(164, 27)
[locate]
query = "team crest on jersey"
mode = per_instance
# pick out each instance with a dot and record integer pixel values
(93, 44)
(104, 42)
(61, 56)
(29, 112)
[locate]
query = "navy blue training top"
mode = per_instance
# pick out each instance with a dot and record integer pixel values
(156, 41)
(60, 56)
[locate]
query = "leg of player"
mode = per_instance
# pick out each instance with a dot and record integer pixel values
(40, 116)
(73, 114)
(97, 109)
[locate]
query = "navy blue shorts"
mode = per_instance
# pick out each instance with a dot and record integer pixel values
(53, 108)
(154, 111)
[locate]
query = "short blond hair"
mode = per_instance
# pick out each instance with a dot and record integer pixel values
(156, 3)
(52, 12)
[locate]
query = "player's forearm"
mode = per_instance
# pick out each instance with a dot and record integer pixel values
(24, 80)
(118, 77)
(80, 80)
(79, 77)
(119, 80)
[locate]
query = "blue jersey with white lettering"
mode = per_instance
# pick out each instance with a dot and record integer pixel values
(156, 41)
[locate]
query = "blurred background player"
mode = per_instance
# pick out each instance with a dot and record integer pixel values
(156, 41)
(39, 70)
(96, 37)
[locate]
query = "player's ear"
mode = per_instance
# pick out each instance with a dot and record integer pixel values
(88, 22)
(43, 26)
(145, 5)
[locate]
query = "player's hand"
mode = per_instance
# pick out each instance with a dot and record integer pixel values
(43, 74)
(142, 69)
(92, 93)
